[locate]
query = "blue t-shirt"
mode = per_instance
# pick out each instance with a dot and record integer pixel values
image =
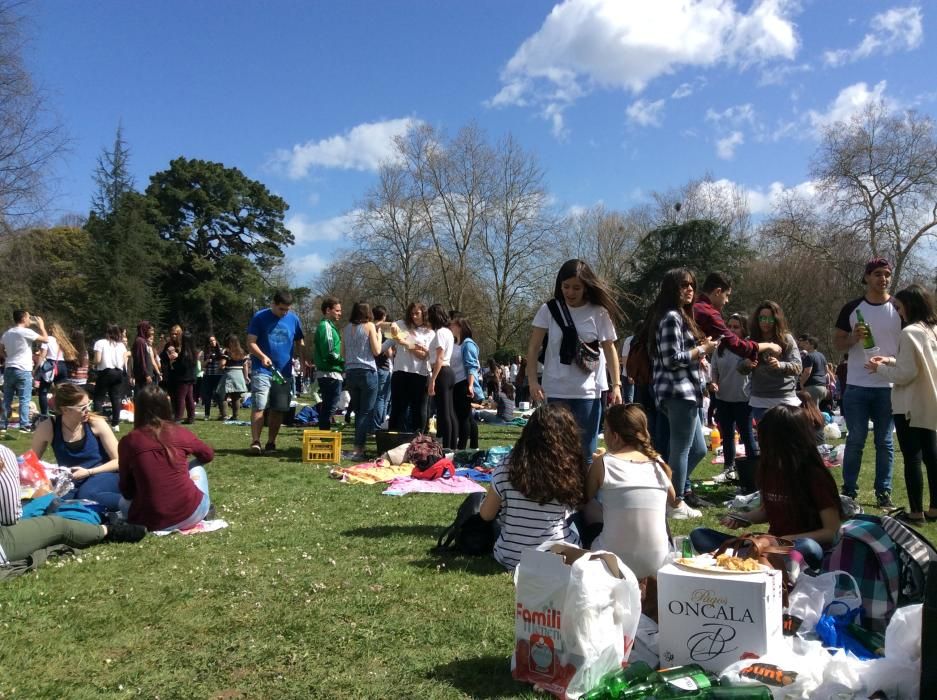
(276, 337)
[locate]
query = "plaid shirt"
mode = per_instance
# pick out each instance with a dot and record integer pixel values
(676, 376)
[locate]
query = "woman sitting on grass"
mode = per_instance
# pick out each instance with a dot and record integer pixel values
(633, 485)
(83, 442)
(799, 497)
(20, 538)
(536, 490)
(161, 488)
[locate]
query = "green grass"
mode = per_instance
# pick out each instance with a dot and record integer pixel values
(317, 589)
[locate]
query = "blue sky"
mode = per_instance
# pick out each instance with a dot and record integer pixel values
(617, 98)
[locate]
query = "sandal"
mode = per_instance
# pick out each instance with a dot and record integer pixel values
(255, 447)
(270, 447)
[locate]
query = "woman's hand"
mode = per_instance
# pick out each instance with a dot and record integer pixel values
(707, 346)
(536, 392)
(732, 523)
(431, 389)
(80, 474)
(614, 396)
(772, 362)
(874, 363)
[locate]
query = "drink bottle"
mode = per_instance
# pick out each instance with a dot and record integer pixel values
(277, 377)
(432, 425)
(755, 691)
(715, 438)
(868, 342)
(872, 641)
(611, 685)
(689, 677)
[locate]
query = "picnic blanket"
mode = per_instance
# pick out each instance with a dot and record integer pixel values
(480, 474)
(203, 526)
(457, 484)
(378, 472)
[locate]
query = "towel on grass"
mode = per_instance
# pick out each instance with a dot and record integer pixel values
(456, 484)
(481, 474)
(371, 473)
(203, 526)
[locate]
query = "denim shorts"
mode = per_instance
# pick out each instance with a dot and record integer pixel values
(266, 394)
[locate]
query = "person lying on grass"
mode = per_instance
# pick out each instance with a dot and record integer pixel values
(799, 497)
(161, 489)
(632, 484)
(538, 487)
(84, 442)
(20, 538)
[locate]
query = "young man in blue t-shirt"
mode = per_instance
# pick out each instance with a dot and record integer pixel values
(272, 337)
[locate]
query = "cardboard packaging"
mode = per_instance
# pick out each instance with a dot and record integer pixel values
(713, 619)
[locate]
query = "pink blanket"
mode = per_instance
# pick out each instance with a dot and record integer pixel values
(456, 484)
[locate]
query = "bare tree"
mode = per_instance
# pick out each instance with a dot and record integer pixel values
(705, 199)
(452, 180)
(605, 239)
(516, 236)
(877, 174)
(391, 237)
(30, 139)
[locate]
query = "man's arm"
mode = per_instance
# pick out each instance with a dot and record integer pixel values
(713, 326)
(256, 351)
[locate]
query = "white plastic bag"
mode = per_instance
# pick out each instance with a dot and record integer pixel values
(793, 672)
(831, 432)
(811, 594)
(576, 616)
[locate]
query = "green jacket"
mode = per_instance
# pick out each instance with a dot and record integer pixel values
(327, 350)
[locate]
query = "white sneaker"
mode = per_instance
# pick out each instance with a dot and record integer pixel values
(683, 512)
(727, 475)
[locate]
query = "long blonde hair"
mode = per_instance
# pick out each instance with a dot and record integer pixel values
(69, 353)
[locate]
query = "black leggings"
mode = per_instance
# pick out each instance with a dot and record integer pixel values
(917, 444)
(407, 394)
(110, 383)
(465, 416)
(446, 427)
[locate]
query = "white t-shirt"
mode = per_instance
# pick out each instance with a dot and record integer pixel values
(634, 505)
(18, 345)
(53, 352)
(406, 361)
(885, 323)
(445, 340)
(113, 355)
(623, 358)
(569, 381)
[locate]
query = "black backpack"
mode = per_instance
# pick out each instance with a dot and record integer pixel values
(915, 555)
(469, 534)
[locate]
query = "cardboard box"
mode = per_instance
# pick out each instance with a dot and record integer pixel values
(713, 619)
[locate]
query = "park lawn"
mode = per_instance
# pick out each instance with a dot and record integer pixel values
(317, 589)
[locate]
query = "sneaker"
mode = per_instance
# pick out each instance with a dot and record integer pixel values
(726, 475)
(255, 448)
(683, 512)
(694, 501)
(884, 500)
(850, 493)
(115, 428)
(27, 429)
(122, 531)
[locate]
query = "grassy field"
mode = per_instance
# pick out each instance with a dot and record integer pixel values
(317, 589)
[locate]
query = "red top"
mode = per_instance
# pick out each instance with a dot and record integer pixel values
(789, 517)
(709, 319)
(160, 487)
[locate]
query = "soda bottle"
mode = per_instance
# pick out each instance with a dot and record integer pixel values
(277, 377)
(868, 342)
(611, 685)
(716, 438)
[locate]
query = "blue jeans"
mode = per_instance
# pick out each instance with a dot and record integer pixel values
(627, 391)
(706, 540)
(101, 488)
(329, 390)
(200, 477)
(862, 404)
(383, 397)
(17, 382)
(731, 415)
(361, 384)
(587, 413)
(687, 445)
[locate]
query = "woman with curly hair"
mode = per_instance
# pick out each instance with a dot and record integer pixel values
(774, 379)
(536, 489)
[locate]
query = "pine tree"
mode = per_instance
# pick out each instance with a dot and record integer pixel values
(112, 177)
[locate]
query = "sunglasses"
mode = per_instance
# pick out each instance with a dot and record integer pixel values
(83, 408)
(687, 285)
(767, 319)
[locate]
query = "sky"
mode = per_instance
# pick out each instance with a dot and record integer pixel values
(616, 98)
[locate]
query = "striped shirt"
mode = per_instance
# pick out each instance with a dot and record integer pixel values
(526, 524)
(10, 507)
(676, 374)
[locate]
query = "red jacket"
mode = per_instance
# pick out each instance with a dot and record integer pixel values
(710, 321)
(160, 487)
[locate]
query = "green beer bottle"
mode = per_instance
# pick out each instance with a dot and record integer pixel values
(611, 685)
(868, 342)
(277, 377)
(872, 641)
(755, 691)
(688, 681)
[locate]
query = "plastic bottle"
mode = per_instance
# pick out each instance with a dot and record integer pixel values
(611, 685)
(715, 437)
(868, 342)
(432, 425)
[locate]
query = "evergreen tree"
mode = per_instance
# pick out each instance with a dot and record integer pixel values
(112, 176)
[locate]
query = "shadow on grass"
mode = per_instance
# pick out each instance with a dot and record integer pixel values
(481, 566)
(480, 677)
(390, 530)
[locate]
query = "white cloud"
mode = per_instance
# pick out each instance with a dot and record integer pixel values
(645, 113)
(737, 114)
(687, 89)
(363, 147)
(309, 264)
(776, 75)
(849, 101)
(305, 231)
(898, 29)
(584, 44)
(725, 148)
(760, 201)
